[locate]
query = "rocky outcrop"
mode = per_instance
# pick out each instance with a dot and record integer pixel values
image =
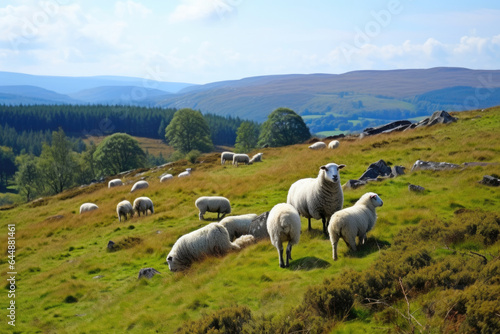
(431, 165)
(491, 181)
(147, 273)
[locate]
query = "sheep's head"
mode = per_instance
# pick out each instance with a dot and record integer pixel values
(375, 199)
(173, 263)
(332, 171)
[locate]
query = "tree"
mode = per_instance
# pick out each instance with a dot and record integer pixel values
(283, 127)
(247, 137)
(7, 165)
(29, 179)
(189, 131)
(117, 153)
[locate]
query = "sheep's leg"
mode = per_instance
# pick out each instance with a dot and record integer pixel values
(223, 215)
(308, 224)
(288, 254)
(280, 253)
(201, 215)
(325, 225)
(120, 218)
(351, 242)
(334, 238)
(362, 239)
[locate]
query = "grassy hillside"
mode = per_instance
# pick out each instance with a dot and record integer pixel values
(69, 283)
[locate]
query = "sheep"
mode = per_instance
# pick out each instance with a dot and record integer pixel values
(115, 183)
(317, 145)
(334, 144)
(86, 207)
(243, 158)
(123, 209)
(237, 226)
(283, 224)
(226, 156)
(166, 177)
(212, 239)
(139, 185)
(143, 204)
(354, 221)
(256, 158)
(318, 198)
(187, 172)
(217, 204)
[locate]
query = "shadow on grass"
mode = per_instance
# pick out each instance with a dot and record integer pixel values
(308, 263)
(372, 245)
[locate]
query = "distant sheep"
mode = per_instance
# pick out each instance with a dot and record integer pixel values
(226, 156)
(166, 177)
(187, 172)
(86, 207)
(317, 145)
(139, 185)
(354, 221)
(333, 144)
(142, 205)
(237, 226)
(115, 183)
(256, 158)
(241, 158)
(217, 204)
(318, 198)
(283, 224)
(124, 208)
(210, 240)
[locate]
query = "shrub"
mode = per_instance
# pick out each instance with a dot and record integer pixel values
(330, 300)
(227, 320)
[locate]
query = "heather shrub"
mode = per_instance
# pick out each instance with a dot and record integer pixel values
(227, 320)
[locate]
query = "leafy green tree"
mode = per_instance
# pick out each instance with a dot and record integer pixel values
(247, 137)
(7, 165)
(29, 178)
(117, 153)
(88, 169)
(283, 127)
(189, 131)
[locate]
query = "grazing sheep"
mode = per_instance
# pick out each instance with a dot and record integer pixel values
(256, 158)
(243, 158)
(166, 177)
(139, 185)
(318, 198)
(217, 204)
(334, 144)
(115, 183)
(237, 226)
(187, 172)
(283, 224)
(143, 204)
(212, 239)
(226, 156)
(354, 221)
(317, 145)
(124, 208)
(86, 207)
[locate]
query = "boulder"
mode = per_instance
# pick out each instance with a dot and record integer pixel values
(438, 117)
(111, 245)
(415, 188)
(147, 273)
(397, 170)
(258, 226)
(353, 184)
(491, 181)
(431, 165)
(375, 170)
(386, 128)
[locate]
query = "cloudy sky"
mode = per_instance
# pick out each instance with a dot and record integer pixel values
(200, 41)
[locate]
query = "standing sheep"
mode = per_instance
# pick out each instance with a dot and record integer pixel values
(334, 144)
(124, 208)
(139, 185)
(226, 156)
(243, 158)
(212, 239)
(187, 172)
(318, 198)
(283, 224)
(143, 204)
(217, 204)
(115, 183)
(86, 207)
(354, 221)
(317, 145)
(166, 177)
(256, 158)
(237, 226)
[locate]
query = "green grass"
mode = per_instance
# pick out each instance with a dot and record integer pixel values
(69, 282)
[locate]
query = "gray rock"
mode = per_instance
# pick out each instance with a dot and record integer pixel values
(491, 181)
(431, 165)
(397, 170)
(438, 117)
(375, 170)
(386, 128)
(415, 188)
(111, 245)
(258, 226)
(147, 273)
(353, 184)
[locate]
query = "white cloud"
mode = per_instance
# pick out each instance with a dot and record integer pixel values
(194, 10)
(125, 8)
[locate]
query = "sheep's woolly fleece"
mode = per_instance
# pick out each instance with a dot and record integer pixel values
(283, 224)
(142, 205)
(124, 208)
(218, 204)
(237, 226)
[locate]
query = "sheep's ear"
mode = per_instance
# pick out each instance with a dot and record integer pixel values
(373, 196)
(169, 258)
(341, 166)
(323, 168)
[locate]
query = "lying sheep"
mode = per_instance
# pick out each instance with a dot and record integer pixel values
(187, 172)
(283, 224)
(256, 158)
(124, 208)
(237, 226)
(143, 204)
(115, 183)
(86, 207)
(354, 221)
(317, 145)
(318, 198)
(166, 177)
(333, 144)
(217, 204)
(210, 240)
(139, 185)
(226, 156)
(241, 158)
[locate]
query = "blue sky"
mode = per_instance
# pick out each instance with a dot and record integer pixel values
(201, 41)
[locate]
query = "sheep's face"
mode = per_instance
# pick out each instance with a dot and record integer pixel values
(332, 171)
(376, 200)
(172, 264)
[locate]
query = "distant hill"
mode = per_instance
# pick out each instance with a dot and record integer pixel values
(26, 94)
(121, 95)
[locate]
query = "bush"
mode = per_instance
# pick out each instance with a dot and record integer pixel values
(193, 155)
(330, 300)
(227, 320)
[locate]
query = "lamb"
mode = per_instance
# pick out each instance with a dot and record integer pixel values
(143, 204)
(124, 208)
(212, 239)
(187, 172)
(317, 145)
(86, 207)
(115, 183)
(318, 198)
(237, 226)
(166, 177)
(217, 204)
(256, 158)
(334, 144)
(139, 185)
(354, 221)
(243, 158)
(226, 156)
(283, 224)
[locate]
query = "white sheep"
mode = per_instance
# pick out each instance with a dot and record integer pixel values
(354, 221)
(237, 226)
(241, 158)
(333, 144)
(143, 204)
(187, 172)
(139, 185)
(318, 198)
(166, 177)
(317, 145)
(86, 207)
(217, 204)
(226, 156)
(212, 239)
(115, 183)
(256, 158)
(124, 208)
(283, 224)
